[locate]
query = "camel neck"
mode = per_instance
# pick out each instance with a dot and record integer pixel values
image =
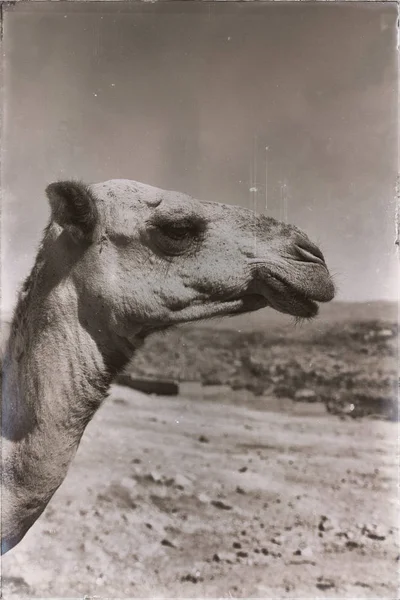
(54, 379)
(53, 372)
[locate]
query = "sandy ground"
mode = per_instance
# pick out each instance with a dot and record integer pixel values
(171, 498)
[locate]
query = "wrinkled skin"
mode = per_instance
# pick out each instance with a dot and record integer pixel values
(120, 260)
(164, 258)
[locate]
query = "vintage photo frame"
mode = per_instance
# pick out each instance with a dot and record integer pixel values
(244, 456)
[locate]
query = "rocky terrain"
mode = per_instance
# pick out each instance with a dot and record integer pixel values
(255, 481)
(350, 367)
(173, 498)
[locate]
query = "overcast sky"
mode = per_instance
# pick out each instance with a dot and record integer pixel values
(187, 96)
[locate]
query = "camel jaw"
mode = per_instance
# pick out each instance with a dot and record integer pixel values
(274, 293)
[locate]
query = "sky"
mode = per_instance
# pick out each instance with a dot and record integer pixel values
(296, 102)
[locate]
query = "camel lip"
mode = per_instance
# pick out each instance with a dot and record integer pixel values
(298, 297)
(305, 308)
(298, 305)
(282, 296)
(293, 303)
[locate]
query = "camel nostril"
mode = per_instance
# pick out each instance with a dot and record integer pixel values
(312, 254)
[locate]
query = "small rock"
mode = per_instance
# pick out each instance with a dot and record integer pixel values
(306, 552)
(237, 545)
(203, 498)
(228, 557)
(362, 584)
(221, 505)
(166, 542)
(181, 482)
(347, 409)
(374, 532)
(119, 494)
(203, 439)
(326, 524)
(156, 477)
(191, 578)
(240, 490)
(216, 558)
(384, 333)
(121, 401)
(265, 551)
(325, 584)
(242, 554)
(243, 470)
(278, 539)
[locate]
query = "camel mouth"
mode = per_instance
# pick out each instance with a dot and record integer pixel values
(299, 298)
(296, 305)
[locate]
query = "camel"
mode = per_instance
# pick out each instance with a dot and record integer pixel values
(120, 260)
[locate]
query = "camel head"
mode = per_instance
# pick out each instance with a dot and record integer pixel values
(141, 258)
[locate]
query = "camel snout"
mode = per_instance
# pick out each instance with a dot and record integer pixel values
(294, 277)
(307, 252)
(318, 283)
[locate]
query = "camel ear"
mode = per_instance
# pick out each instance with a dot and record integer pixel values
(73, 206)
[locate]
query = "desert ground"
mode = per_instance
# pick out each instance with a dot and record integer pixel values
(171, 498)
(237, 493)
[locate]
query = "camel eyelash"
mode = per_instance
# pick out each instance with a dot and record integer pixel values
(177, 232)
(180, 230)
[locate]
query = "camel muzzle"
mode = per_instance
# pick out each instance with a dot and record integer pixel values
(294, 279)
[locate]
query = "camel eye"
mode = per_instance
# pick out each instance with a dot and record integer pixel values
(176, 232)
(173, 237)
